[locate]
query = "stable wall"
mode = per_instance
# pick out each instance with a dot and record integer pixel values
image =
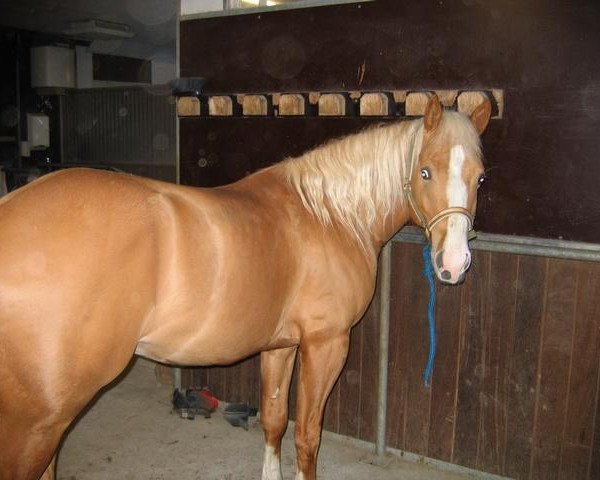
(541, 158)
(515, 387)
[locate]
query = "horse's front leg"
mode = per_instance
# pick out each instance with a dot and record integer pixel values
(321, 361)
(276, 368)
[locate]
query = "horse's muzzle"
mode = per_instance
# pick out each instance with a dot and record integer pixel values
(450, 267)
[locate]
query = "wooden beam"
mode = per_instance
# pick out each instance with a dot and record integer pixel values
(188, 107)
(374, 104)
(292, 104)
(253, 105)
(332, 104)
(220, 105)
(416, 103)
(468, 101)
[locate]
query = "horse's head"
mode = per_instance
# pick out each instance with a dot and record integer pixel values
(443, 187)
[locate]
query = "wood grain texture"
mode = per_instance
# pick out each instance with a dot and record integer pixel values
(471, 365)
(524, 364)
(585, 353)
(444, 381)
(574, 462)
(398, 364)
(501, 298)
(538, 52)
(292, 104)
(594, 461)
(414, 313)
(556, 345)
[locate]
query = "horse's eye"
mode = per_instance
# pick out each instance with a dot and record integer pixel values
(480, 180)
(425, 174)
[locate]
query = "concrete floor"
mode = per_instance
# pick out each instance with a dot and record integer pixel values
(130, 434)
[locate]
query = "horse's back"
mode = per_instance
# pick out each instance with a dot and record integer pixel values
(103, 256)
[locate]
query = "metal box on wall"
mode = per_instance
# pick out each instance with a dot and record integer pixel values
(52, 67)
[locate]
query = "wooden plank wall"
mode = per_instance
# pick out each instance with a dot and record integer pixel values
(515, 386)
(540, 52)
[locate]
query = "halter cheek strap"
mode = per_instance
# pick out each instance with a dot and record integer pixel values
(428, 225)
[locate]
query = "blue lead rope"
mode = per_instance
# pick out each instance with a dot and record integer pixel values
(429, 275)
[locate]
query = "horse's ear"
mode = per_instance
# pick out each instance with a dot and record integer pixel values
(433, 113)
(481, 116)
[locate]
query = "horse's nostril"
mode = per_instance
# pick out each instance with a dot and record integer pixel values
(467, 262)
(439, 259)
(446, 275)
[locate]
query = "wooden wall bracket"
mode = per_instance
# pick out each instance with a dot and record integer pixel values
(393, 103)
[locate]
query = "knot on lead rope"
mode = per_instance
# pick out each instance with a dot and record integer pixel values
(429, 275)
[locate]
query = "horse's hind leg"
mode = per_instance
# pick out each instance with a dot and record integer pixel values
(321, 361)
(27, 450)
(276, 372)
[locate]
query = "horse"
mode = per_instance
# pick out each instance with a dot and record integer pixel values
(97, 266)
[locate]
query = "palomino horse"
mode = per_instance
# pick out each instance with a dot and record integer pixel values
(96, 267)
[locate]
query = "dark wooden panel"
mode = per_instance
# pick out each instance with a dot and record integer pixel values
(579, 425)
(398, 360)
(241, 382)
(294, 390)
(471, 362)
(230, 149)
(414, 314)
(524, 364)
(444, 381)
(501, 298)
(217, 379)
(575, 461)
(582, 426)
(594, 464)
(557, 339)
(194, 377)
(539, 52)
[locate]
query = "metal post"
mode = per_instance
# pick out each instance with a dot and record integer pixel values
(177, 371)
(385, 272)
(177, 378)
(543, 247)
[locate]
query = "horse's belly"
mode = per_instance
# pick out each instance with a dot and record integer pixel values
(211, 340)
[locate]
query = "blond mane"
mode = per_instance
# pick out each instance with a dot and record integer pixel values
(358, 179)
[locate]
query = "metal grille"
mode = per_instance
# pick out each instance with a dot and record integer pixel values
(119, 126)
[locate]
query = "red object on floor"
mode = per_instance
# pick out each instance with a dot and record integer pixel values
(211, 402)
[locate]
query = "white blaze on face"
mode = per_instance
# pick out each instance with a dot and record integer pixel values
(456, 190)
(455, 244)
(271, 465)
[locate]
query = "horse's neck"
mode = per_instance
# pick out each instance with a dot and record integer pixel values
(387, 225)
(273, 182)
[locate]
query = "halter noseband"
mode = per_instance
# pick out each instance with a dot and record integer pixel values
(438, 217)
